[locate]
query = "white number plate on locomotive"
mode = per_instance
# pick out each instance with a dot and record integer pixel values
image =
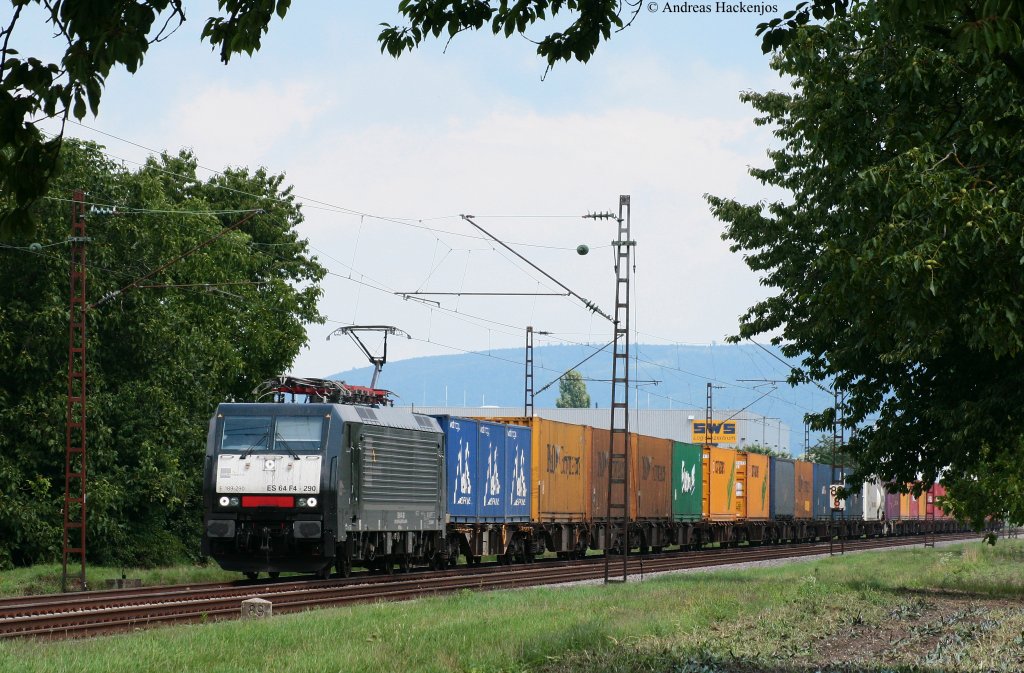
(268, 473)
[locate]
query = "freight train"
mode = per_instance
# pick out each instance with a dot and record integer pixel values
(345, 480)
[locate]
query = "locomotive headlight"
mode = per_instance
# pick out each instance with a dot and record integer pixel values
(311, 502)
(225, 501)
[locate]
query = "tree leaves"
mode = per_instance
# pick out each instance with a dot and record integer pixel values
(99, 37)
(593, 22)
(161, 356)
(897, 262)
(572, 391)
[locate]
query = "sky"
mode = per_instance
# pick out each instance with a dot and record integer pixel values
(387, 153)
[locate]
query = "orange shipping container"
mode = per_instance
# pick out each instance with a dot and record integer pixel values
(560, 470)
(804, 503)
(904, 506)
(650, 477)
(651, 467)
(719, 484)
(754, 480)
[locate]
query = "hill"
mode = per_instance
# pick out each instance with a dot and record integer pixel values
(668, 377)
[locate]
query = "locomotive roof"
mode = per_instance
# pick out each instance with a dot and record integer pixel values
(350, 413)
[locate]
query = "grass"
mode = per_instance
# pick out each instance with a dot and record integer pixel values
(949, 609)
(45, 579)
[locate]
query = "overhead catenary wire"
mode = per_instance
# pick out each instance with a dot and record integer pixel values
(586, 302)
(123, 210)
(581, 362)
(316, 204)
(414, 222)
(135, 283)
(306, 200)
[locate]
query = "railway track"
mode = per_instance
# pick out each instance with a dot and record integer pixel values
(60, 616)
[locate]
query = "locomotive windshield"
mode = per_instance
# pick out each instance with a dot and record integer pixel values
(246, 433)
(299, 433)
(251, 434)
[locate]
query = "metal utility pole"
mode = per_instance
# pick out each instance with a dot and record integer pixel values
(709, 416)
(837, 473)
(618, 515)
(528, 392)
(74, 426)
(929, 517)
(377, 361)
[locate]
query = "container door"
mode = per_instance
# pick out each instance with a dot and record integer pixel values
(804, 489)
(654, 483)
(854, 502)
(757, 486)
(721, 483)
(490, 470)
(822, 501)
(601, 439)
(781, 488)
(461, 440)
(561, 466)
(687, 481)
(517, 469)
(892, 506)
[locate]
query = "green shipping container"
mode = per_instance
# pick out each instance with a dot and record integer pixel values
(687, 481)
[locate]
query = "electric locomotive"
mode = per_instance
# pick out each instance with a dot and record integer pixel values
(339, 481)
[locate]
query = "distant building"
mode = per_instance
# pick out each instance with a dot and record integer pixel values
(731, 428)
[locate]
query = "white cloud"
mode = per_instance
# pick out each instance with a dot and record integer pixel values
(690, 288)
(233, 125)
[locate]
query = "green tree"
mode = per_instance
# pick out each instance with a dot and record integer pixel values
(98, 37)
(572, 391)
(161, 355)
(823, 452)
(766, 450)
(897, 257)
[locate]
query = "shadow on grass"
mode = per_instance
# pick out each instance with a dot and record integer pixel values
(974, 590)
(670, 662)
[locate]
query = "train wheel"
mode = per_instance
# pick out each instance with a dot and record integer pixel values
(251, 576)
(274, 574)
(406, 564)
(344, 567)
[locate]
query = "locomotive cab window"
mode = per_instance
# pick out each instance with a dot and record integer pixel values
(246, 433)
(298, 433)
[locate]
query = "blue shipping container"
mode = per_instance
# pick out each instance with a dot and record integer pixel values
(822, 501)
(517, 467)
(782, 496)
(491, 471)
(855, 501)
(461, 455)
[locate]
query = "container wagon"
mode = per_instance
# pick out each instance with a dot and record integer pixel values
(488, 470)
